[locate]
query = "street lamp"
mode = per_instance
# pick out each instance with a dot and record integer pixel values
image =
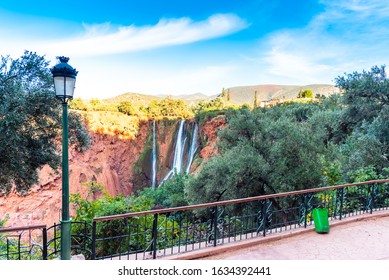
(64, 77)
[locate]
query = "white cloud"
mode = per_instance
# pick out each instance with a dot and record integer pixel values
(101, 39)
(346, 36)
(359, 8)
(297, 68)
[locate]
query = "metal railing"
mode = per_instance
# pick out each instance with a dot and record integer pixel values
(154, 233)
(22, 243)
(81, 239)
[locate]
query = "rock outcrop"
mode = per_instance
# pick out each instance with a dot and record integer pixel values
(118, 164)
(109, 160)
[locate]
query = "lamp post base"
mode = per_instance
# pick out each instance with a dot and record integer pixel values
(66, 231)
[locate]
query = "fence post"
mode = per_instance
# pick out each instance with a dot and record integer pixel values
(154, 235)
(305, 210)
(215, 227)
(55, 237)
(341, 204)
(93, 255)
(7, 248)
(44, 245)
(19, 253)
(372, 189)
(264, 216)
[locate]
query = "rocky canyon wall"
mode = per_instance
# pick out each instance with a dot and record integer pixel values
(123, 166)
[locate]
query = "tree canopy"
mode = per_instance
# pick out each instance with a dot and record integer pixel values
(30, 121)
(262, 151)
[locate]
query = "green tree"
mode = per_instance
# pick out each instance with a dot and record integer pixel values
(78, 104)
(30, 121)
(169, 194)
(308, 93)
(127, 108)
(228, 95)
(94, 102)
(364, 96)
(154, 110)
(262, 152)
(305, 94)
(173, 107)
(223, 93)
(168, 107)
(255, 100)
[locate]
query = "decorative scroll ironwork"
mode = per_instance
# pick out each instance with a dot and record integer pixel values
(372, 198)
(215, 225)
(24, 243)
(340, 202)
(305, 208)
(264, 218)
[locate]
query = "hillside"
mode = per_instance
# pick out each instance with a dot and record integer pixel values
(245, 94)
(238, 95)
(137, 99)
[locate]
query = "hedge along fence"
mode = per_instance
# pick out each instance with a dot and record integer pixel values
(148, 234)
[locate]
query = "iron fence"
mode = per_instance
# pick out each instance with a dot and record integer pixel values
(23, 243)
(155, 233)
(81, 240)
(150, 234)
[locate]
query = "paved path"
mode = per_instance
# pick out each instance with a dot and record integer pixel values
(359, 240)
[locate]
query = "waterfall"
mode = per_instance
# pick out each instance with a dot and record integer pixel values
(178, 152)
(193, 147)
(180, 143)
(154, 158)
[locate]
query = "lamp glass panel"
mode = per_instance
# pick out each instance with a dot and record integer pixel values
(59, 84)
(70, 84)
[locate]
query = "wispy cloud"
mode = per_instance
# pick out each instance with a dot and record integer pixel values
(103, 39)
(346, 36)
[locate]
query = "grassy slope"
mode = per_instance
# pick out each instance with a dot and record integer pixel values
(239, 95)
(245, 94)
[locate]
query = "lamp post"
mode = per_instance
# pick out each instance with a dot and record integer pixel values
(64, 77)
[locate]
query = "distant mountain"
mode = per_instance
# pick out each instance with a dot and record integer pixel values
(137, 99)
(144, 99)
(245, 94)
(238, 95)
(194, 96)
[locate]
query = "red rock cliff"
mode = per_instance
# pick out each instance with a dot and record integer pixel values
(109, 160)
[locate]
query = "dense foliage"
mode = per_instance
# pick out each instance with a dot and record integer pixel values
(30, 121)
(262, 151)
(344, 138)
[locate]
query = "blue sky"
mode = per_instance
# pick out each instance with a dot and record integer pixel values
(184, 47)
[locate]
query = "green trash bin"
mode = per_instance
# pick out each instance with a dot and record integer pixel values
(320, 218)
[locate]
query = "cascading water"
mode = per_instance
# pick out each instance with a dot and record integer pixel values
(193, 147)
(154, 158)
(180, 147)
(178, 153)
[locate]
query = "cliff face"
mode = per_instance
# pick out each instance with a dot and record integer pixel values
(109, 160)
(209, 136)
(121, 165)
